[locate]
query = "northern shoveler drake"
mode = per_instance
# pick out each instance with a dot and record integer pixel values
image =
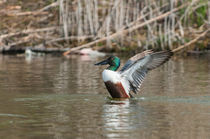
(130, 77)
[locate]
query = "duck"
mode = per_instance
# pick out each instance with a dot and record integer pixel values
(130, 77)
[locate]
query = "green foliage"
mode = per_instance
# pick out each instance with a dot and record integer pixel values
(199, 15)
(182, 11)
(186, 39)
(126, 49)
(195, 16)
(100, 44)
(201, 46)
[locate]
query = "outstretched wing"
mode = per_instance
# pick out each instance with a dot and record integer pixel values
(137, 68)
(134, 59)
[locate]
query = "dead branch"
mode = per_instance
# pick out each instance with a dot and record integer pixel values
(22, 41)
(191, 42)
(64, 39)
(34, 49)
(16, 43)
(27, 31)
(125, 31)
(136, 21)
(37, 12)
(27, 13)
(70, 38)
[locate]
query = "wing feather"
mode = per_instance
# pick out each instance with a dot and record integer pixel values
(138, 66)
(135, 58)
(158, 59)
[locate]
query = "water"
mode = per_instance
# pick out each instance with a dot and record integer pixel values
(62, 98)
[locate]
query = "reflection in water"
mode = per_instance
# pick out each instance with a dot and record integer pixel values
(55, 97)
(132, 116)
(61, 79)
(116, 118)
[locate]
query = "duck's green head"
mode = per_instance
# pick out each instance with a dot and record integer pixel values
(113, 61)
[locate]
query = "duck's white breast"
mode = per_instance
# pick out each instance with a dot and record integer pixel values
(109, 75)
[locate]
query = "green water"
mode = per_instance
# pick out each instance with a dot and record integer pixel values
(64, 98)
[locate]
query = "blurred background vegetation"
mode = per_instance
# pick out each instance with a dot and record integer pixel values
(105, 25)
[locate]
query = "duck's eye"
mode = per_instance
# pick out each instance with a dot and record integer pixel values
(111, 58)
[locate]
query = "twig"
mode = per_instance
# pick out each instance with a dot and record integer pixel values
(125, 31)
(191, 42)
